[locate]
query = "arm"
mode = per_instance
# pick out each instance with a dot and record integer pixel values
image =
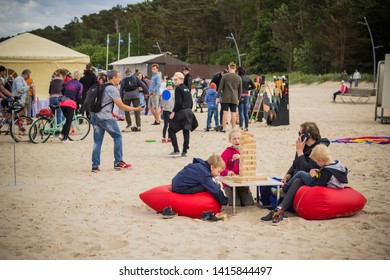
(143, 86)
(21, 86)
(5, 92)
(232, 165)
(214, 189)
(324, 177)
(118, 102)
(251, 85)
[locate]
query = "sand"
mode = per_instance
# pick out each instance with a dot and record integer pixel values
(62, 211)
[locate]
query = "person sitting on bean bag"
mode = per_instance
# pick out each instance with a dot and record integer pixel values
(198, 177)
(331, 174)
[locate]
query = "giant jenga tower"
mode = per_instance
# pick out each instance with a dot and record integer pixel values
(247, 160)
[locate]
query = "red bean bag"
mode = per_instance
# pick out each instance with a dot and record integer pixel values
(319, 203)
(190, 205)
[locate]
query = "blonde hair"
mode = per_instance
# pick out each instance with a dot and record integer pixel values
(76, 75)
(321, 152)
(234, 130)
(179, 75)
(216, 161)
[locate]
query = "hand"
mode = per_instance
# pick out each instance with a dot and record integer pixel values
(313, 172)
(286, 178)
(235, 157)
(172, 115)
(217, 101)
(299, 146)
(231, 173)
(139, 108)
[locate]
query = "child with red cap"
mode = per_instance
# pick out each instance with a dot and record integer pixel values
(212, 106)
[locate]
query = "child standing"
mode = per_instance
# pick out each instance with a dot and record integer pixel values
(212, 106)
(231, 157)
(332, 174)
(167, 104)
(198, 177)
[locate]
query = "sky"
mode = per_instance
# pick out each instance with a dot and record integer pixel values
(18, 16)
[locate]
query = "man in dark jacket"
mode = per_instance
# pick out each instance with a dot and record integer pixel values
(187, 78)
(88, 80)
(198, 177)
(129, 91)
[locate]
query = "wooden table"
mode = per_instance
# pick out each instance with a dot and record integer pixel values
(267, 182)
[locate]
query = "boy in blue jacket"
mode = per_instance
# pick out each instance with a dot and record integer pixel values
(198, 177)
(212, 106)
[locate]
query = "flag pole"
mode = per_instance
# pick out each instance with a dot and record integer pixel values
(119, 45)
(129, 42)
(108, 42)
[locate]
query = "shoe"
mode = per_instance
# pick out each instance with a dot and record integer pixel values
(95, 169)
(216, 128)
(183, 154)
(164, 140)
(67, 141)
(209, 216)
(174, 154)
(135, 129)
(127, 129)
(207, 129)
(156, 123)
(122, 165)
(223, 131)
(277, 217)
(168, 213)
(269, 216)
(245, 129)
(61, 136)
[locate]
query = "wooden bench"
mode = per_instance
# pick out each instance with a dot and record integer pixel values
(358, 95)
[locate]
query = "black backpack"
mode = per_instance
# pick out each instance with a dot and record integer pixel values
(130, 83)
(93, 98)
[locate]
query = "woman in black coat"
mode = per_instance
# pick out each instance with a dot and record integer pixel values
(182, 117)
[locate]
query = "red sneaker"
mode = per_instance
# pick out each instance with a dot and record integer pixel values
(122, 165)
(164, 140)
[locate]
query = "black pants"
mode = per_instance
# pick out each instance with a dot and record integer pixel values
(68, 113)
(166, 115)
(290, 195)
(137, 114)
(186, 136)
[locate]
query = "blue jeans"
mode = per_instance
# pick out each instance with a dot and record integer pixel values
(141, 99)
(243, 111)
(210, 112)
(53, 101)
(99, 128)
(303, 175)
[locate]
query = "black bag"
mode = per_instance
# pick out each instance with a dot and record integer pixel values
(93, 98)
(130, 83)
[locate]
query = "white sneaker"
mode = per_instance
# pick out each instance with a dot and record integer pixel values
(127, 129)
(67, 141)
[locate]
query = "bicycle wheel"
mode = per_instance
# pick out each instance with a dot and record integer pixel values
(39, 130)
(79, 129)
(20, 127)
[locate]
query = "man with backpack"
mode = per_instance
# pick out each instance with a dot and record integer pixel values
(88, 80)
(102, 120)
(129, 91)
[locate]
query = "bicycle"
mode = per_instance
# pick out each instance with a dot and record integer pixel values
(20, 126)
(46, 125)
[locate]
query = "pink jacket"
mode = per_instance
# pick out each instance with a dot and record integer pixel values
(231, 165)
(343, 88)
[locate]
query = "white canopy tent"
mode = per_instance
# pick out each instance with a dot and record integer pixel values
(41, 56)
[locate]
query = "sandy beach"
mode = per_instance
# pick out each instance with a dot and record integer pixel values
(61, 210)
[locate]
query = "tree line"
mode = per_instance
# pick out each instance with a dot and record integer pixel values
(308, 36)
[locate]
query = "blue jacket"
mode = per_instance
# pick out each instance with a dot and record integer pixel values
(198, 174)
(211, 97)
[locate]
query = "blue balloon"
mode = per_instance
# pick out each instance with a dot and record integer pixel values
(166, 95)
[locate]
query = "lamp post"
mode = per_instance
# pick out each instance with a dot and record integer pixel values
(231, 37)
(157, 46)
(373, 46)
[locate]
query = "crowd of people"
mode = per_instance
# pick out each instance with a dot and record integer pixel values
(170, 99)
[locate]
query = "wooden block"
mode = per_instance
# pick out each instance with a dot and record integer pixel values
(240, 179)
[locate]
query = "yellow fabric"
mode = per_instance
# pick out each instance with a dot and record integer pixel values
(42, 57)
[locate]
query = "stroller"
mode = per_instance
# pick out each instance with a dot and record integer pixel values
(199, 99)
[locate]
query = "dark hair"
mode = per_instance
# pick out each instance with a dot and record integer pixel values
(241, 71)
(155, 65)
(26, 72)
(312, 129)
